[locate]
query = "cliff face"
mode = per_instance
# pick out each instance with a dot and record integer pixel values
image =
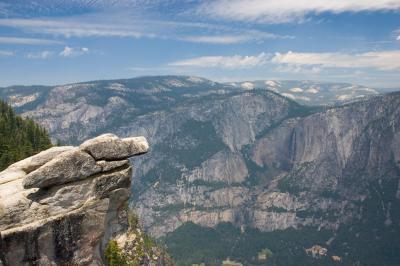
(252, 158)
(330, 163)
(329, 150)
(63, 205)
(315, 170)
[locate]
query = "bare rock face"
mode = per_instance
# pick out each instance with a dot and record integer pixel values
(313, 170)
(63, 205)
(110, 147)
(69, 166)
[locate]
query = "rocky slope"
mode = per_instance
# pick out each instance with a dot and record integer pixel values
(249, 157)
(309, 92)
(287, 175)
(63, 205)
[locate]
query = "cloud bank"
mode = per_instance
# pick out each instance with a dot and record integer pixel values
(128, 26)
(70, 52)
(27, 41)
(382, 60)
(39, 55)
(299, 62)
(284, 11)
(232, 62)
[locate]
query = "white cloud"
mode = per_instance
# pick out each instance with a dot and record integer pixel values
(77, 27)
(238, 37)
(125, 25)
(300, 63)
(232, 62)
(218, 39)
(396, 35)
(298, 69)
(383, 60)
(27, 41)
(118, 24)
(40, 55)
(283, 11)
(6, 53)
(69, 51)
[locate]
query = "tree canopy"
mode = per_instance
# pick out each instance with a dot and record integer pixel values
(19, 137)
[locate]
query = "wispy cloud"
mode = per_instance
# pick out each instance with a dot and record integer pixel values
(240, 37)
(232, 62)
(39, 55)
(298, 69)
(28, 41)
(125, 26)
(72, 27)
(6, 53)
(226, 39)
(383, 60)
(71, 52)
(397, 34)
(283, 11)
(311, 63)
(66, 52)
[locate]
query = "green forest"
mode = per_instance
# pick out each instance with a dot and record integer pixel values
(19, 137)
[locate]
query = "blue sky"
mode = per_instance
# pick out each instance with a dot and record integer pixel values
(62, 41)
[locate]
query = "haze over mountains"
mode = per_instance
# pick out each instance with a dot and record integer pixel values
(303, 91)
(312, 92)
(253, 166)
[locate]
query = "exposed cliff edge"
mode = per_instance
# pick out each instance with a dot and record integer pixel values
(63, 205)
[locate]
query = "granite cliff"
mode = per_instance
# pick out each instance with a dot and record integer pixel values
(251, 158)
(63, 205)
(275, 174)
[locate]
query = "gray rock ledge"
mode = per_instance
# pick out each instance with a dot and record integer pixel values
(61, 206)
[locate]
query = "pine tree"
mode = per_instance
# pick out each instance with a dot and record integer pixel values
(19, 137)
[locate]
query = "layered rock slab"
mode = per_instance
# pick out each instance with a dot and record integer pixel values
(61, 206)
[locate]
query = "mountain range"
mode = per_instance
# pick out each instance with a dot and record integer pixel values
(234, 169)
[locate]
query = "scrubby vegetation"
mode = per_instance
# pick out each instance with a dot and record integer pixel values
(137, 248)
(19, 137)
(114, 254)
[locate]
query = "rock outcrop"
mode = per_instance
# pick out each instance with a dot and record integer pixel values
(63, 205)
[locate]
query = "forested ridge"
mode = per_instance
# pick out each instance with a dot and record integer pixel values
(19, 137)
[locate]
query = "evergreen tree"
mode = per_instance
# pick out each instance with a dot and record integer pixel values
(19, 137)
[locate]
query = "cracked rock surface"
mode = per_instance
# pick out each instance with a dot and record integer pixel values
(61, 206)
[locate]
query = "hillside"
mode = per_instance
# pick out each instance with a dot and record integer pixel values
(19, 138)
(309, 92)
(249, 165)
